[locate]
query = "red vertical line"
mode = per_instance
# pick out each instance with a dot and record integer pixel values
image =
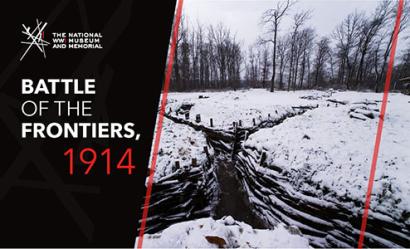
(380, 125)
(160, 121)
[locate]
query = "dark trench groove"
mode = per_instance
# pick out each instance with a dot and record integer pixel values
(232, 200)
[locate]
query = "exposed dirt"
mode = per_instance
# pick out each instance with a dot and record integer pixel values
(233, 200)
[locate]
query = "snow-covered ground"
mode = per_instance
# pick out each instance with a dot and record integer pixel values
(334, 150)
(223, 233)
(325, 152)
(179, 143)
(326, 143)
(231, 106)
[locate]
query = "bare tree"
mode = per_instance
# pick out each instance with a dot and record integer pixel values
(271, 19)
(219, 35)
(321, 57)
(201, 54)
(252, 69)
(227, 56)
(369, 29)
(404, 24)
(185, 59)
(211, 56)
(298, 21)
(194, 52)
(346, 37)
(332, 64)
(283, 59)
(176, 70)
(265, 64)
(306, 44)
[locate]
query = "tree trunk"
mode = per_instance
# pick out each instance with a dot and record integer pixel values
(272, 84)
(302, 73)
(316, 77)
(176, 69)
(290, 69)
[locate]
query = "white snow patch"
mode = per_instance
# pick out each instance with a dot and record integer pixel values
(234, 234)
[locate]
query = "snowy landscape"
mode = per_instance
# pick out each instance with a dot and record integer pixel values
(270, 127)
(301, 160)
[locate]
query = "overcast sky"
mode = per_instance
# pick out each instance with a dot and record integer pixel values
(243, 16)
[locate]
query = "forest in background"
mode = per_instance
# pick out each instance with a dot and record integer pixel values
(353, 57)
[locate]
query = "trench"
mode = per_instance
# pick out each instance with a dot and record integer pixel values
(232, 199)
(233, 185)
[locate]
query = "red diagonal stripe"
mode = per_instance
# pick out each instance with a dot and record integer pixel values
(160, 121)
(380, 125)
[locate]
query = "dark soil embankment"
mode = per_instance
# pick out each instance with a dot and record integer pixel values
(233, 200)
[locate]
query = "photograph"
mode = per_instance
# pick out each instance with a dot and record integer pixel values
(271, 132)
